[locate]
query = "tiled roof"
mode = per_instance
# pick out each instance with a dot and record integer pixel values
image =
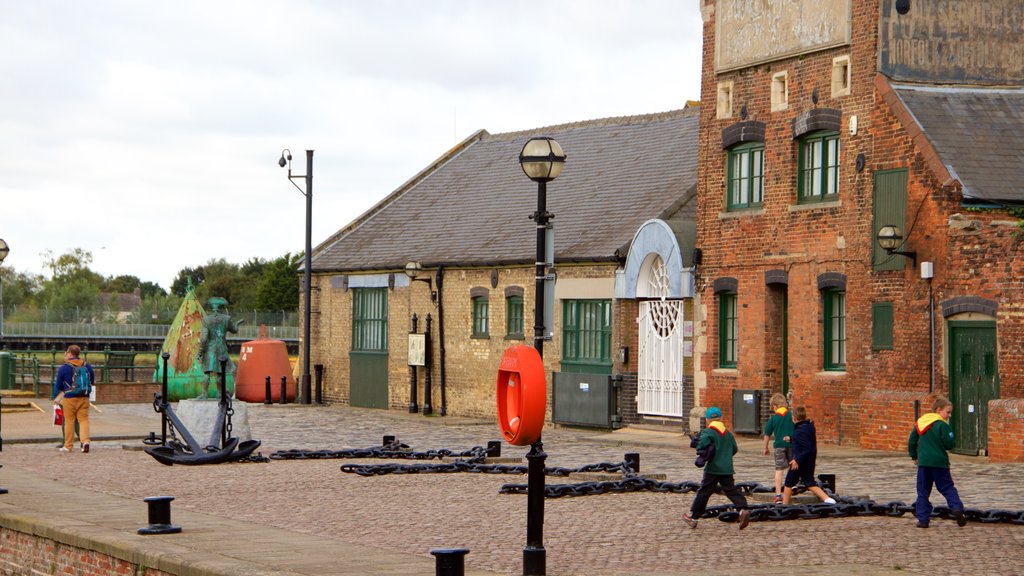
(977, 132)
(472, 206)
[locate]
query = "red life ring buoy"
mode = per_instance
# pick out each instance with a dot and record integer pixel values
(522, 395)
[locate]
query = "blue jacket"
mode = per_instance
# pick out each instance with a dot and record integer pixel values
(805, 442)
(62, 380)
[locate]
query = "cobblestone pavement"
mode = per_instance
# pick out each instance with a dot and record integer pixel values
(613, 534)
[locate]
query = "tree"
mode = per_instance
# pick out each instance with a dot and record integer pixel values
(123, 284)
(279, 285)
(185, 276)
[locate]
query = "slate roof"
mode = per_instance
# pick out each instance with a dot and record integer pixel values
(472, 206)
(978, 133)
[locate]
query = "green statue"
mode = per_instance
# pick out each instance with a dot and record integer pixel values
(213, 343)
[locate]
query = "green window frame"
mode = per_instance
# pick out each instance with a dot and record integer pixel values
(818, 161)
(881, 325)
(835, 329)
(746, 176)
(587, 336)
(480, 317)
(728, 330)
(514, 318)
(370, 319)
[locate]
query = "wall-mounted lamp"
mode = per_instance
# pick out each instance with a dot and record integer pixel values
(414, 270)
(890, 238)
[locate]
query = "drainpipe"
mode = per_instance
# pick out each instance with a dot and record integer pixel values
(931, 338)
(439, 282)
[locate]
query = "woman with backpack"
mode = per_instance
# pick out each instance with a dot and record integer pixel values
(74, 380)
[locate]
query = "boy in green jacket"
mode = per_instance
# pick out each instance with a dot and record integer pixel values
(780, 425)
(718, 471)
(929, 441)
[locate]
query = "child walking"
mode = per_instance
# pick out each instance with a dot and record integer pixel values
(929, 441)
(780, 425)
(718, 471)
(805, 456)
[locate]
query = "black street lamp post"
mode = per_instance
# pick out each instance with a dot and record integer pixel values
(286, 160)
(542, 160)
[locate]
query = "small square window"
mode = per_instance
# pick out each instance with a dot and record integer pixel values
(780, 91)
(724, 105)
(840, 76)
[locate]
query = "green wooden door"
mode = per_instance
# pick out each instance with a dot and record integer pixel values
(368, 360)
(974, 381)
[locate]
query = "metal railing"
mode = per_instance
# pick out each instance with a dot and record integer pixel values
(75, 329)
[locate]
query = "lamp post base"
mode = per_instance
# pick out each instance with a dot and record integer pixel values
(534, 561)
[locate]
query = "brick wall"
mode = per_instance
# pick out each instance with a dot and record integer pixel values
(126, 392)
(471, 363)
(22, 553)
(1005, 430)
(976, 253)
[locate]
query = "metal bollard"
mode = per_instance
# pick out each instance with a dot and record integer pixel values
(828, 481)
(284, 389)
(450, 561)
(493, 448)
(159, 516)
(3, 490)
(387, 441)
(267, 400)
(633, 462)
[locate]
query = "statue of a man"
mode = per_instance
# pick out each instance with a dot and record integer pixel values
(213, 343)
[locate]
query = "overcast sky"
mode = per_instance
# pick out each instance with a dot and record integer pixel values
(148, 133)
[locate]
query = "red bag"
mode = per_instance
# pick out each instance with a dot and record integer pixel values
(58, 416)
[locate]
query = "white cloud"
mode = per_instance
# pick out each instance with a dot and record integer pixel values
(161, 123)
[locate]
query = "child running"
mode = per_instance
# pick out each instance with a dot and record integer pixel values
(805, 455)
(929, 441)
(780, 425)
(718, 471)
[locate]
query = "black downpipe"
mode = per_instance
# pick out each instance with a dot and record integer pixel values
(439, 280)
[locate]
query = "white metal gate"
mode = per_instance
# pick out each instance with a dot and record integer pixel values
(660, 371)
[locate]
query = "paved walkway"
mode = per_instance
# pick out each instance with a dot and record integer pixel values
(307, 517)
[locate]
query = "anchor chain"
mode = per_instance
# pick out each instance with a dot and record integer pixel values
(630, 483)
(394, 450)
(850, 507)
(474, 465)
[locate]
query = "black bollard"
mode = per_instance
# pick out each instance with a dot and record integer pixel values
(318, 370)
(387, 441)
(633, 462)
(450, 561)
(266, 393)
(284, 389)
(493, 448)
(3, 490)
(828, 481)
(159, 516)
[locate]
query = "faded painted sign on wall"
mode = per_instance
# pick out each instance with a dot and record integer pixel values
(954, 41)
(750, 32)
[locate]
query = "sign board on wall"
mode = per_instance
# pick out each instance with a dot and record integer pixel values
(417, 349)
(748, 32)
(954, 41)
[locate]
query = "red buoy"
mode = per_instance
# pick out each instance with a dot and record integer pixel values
(261, 358)
(522, 395)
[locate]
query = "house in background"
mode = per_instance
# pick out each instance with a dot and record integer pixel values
(624, 229)
(860, 200)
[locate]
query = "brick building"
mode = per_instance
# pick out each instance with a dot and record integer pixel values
(624, 231)
(826, 123)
